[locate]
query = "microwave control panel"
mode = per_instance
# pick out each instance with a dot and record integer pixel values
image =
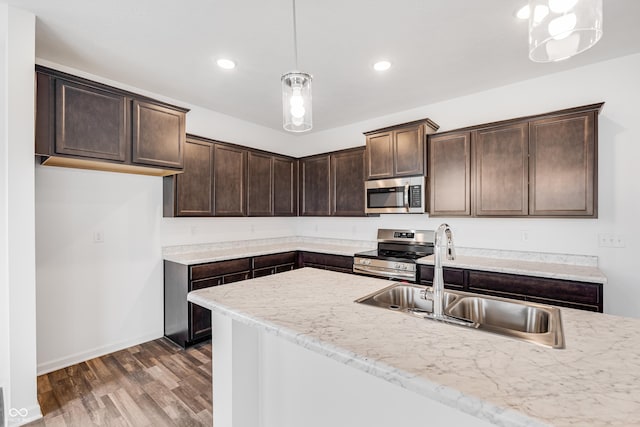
(415, 196)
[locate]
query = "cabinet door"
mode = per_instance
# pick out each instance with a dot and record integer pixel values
(562, 166)
(408, 151)
(341, 263)
(194, 187)
(316, 189)
(285, 187)
(380, 155)
(229, 180)
(259, 184)
(91, 122)
(501, 170)
(347, 180)
(449, 175)
(200, 317)
(158, 135)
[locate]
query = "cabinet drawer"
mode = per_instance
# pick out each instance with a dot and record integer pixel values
(274, 260)
(451, 276)
(343, 263)
(205, 283)
(549, 289)
(237, 277)
(212, 269)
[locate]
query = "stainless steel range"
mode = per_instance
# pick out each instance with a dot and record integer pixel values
(396, 255)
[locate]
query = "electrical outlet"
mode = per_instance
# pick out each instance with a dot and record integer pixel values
(98, 237)
(606, 240)
(524, 235)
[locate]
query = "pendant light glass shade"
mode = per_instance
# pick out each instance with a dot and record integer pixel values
(296, 102)
(560, 29)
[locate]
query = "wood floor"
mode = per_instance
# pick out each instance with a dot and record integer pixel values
(152, 384)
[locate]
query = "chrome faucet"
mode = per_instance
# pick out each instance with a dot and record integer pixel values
(444, 231)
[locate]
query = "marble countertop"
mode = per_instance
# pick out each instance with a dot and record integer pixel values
(554, 270)
(198, 254)
(595, 381)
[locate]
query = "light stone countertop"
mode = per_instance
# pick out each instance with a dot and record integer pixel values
(595, 381)
(581, 268)
(580, 273)
(198, 254)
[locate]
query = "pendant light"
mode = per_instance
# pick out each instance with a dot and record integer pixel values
(296, 93)
(560, 29)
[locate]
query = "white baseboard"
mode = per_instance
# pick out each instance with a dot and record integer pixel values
(25, 416)
(72, 359)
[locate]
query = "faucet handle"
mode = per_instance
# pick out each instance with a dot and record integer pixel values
(426, 294)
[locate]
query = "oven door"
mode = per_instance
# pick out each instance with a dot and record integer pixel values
(398, 195)
(384, 269)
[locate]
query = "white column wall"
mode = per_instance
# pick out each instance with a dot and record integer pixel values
(18, 308)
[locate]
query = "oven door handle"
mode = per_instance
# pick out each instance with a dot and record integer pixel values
(406, 196)
(377, 272)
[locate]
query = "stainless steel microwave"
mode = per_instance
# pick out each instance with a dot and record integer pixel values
(395, 195)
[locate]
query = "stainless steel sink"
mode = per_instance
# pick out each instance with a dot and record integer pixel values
(536, 323)
(404, 297)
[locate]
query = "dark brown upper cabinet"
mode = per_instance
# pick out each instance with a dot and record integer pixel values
(315, 185)
(332, 184)
(90, 122)
(449, 180)
(89, 125)
(285, 186)
(221, 179)
(260, 184)
(229, 180)
(501, 170)
(347, 182)
(544, 165)
(158, 135)
(272, 185)
(191, 192)
(563, 173)
(398, 150)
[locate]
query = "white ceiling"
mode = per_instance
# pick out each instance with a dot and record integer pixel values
(439, 50)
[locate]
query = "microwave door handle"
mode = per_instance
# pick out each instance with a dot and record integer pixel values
(406, 196)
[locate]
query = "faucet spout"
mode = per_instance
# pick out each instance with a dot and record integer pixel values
(442, 242)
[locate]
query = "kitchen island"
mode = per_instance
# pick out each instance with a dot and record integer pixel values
(294, 349)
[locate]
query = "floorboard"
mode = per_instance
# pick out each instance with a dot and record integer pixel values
(151, 384)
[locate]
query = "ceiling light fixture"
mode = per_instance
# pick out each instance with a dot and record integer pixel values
(560, 29)
(523, 12)
(226, 64)
(296, 93)
(382, 65)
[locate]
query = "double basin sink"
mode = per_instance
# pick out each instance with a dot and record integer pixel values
(531, 322)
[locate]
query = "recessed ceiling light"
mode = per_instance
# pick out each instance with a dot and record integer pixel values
(523, 12)
(227, 64)
(382, 65)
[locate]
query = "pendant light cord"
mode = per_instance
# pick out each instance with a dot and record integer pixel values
(295, 36)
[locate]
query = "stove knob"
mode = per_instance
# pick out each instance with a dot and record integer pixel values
(368, 262)
(396, 266)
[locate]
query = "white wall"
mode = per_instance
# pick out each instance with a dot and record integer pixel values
(17, 238)
(95, 298)
(616, 83)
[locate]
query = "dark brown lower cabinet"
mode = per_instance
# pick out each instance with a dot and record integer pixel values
(563, 293)
(341, 263)
(266, 265)
(186, 323)
(453, 277)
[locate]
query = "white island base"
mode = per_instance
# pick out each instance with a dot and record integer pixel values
(260, 379)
